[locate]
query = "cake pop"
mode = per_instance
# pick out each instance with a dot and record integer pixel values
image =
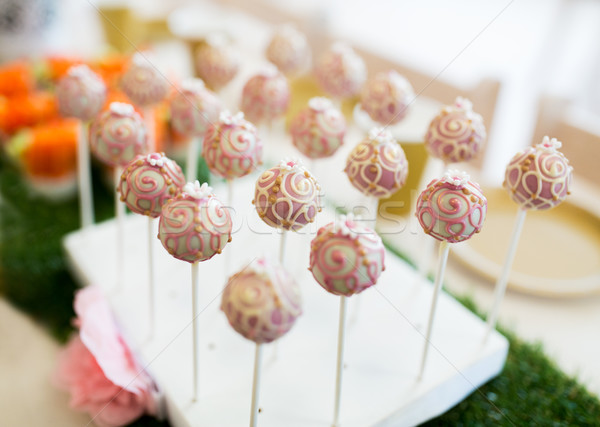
(455, 134)
(142, 82)
(340, 71)
(148, 182)
(80, 93)
(539, 177)
(262, 302)
(118, 135)
(452, 208)
(265, 96)
(386, 97)
(232, 147)
(194, 108)
(377, 166)
(217, 62)
(318, 130)
(346, 258)
(288, 50)
(194, 225)
(287, 196)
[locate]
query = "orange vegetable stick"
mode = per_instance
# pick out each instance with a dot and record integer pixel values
(16, 78)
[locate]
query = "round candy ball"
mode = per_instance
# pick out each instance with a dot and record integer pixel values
(341, 72)
(118, 135)
(386, 97)
(265, 96)
(539, 177)
(148, 182)
(232, 147)
(194, 225)
(142, 82)
(288, 50)
(452, 208)
(262, 302)
(318, 130)
(377, 166)
(346, 258)
(80, 93)
(455, 134)
(217, 62)
(194, 108)
(287, 196)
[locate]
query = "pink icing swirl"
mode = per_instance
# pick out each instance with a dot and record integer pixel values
(456, 134)
(452, 208)
(262, 302)
(194, 229)
(118, 135)
(341, 72)
(288, 50)
(143, 83)
(287, 196)
(265, 96)
(347, 259)
(80, 93)
(194, 108)
(386, 97)
(377, 166)
(217, 63)
(232, 147)
(539, 177)
(318, 130)
(148, 182)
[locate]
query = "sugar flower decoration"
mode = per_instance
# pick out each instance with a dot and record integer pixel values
(456, 177)
(121, 108)
(319, 103)
(380, 135)
(197, 191)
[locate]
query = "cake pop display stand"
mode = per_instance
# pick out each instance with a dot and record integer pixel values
(383, 347)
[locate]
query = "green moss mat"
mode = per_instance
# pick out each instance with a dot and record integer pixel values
(530, 391)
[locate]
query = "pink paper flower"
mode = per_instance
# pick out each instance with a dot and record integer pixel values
(99, 370)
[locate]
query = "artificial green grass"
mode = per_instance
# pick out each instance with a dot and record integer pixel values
(531, 390)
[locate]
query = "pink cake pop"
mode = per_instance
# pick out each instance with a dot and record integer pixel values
(217, 62)
(456, 134)
(346, 258)
(80, 93)
(194, 225)
(539, 177)
(377, 166)
(452, 208)
(386, 97)
(118, 135)
(318, 130)
(148, 182)
(142, 82)
(266, 96)
(194, 108)
(232, 147)
(341, 72)
(262, 302)
(288, 50)
(287, 196)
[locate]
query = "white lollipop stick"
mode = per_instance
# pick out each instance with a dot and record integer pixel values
(439, 278)
(86, 201)
(282, 246)
(120, 215)
(151, 274)
(149, 120)
(195, 283)
(340, 362)
(229, 206)
(500, 289)
(256, 385)
(191, 168)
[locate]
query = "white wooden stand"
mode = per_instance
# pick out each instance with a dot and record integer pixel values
(383, 348)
